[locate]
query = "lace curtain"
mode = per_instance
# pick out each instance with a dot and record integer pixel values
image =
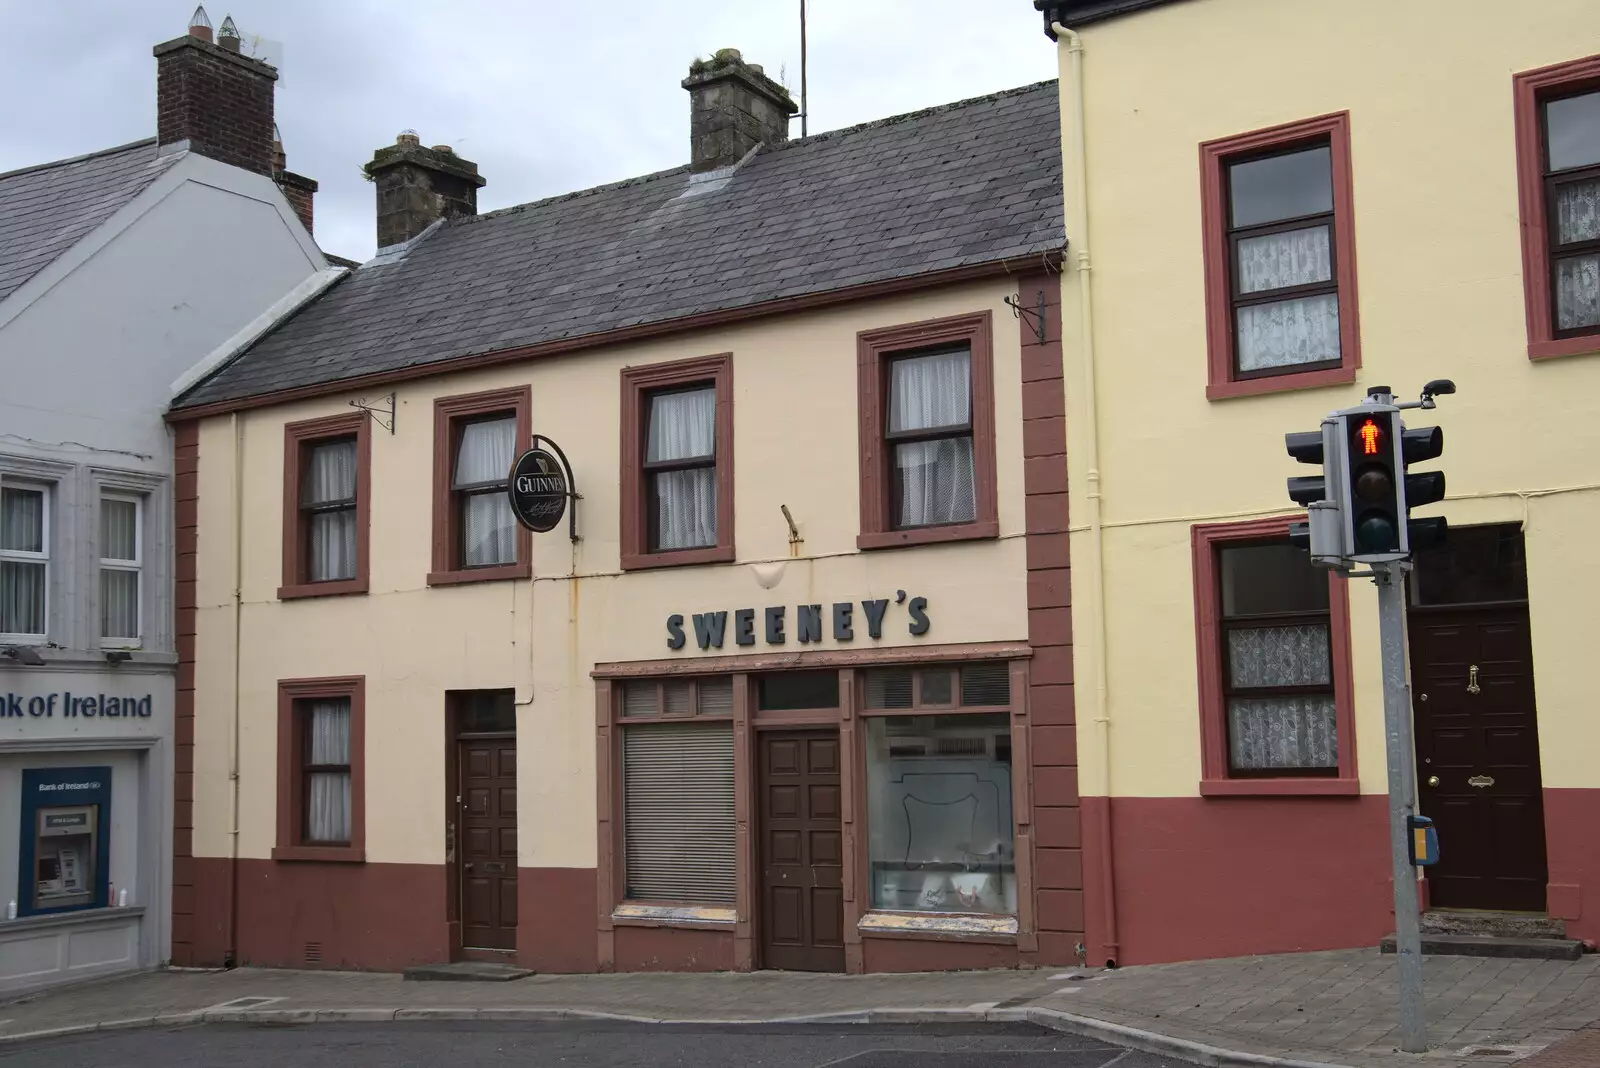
(331, 476)
(22, 583)
(1281, 732)
(682, 427)
(936, 477)
(328, 792)
(488, 529)
(1578, 277)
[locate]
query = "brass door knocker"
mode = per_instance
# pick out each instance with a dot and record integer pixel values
(1472, 680)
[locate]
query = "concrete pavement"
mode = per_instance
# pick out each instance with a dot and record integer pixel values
(1314, 1008)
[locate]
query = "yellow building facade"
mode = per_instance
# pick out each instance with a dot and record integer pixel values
(1275, 205)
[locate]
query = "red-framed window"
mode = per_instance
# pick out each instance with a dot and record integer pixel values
(476, 438)
(327, 482)
(1273, 649)
(926, 402)
(321, 769)
(1279, 243)
(677, 463)
(1557, 116)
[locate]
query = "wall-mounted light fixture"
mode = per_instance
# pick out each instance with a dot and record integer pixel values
(118, 656)
(23, 654)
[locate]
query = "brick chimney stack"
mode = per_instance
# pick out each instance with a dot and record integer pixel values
(298, 190)
(418, 186)
(216, 99)
(733, 107)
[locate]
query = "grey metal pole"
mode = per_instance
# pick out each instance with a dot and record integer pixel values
(805, 108)
(1402, 794)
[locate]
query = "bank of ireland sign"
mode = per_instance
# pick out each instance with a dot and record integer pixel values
(67, 705)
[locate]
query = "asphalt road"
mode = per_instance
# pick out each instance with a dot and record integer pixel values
(577, 1045)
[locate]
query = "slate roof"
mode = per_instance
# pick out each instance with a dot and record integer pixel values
(970, 183)
(45, 210)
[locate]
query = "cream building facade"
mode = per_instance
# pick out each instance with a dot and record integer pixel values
(804, 713)
(1274, 206)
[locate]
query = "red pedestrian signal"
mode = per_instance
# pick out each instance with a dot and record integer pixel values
(1370, 437)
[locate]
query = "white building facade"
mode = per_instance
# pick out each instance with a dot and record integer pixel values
(119, 271)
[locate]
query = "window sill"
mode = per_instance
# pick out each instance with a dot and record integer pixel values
(966, 927)
(71, 918)
(325, 854)
(480, 574)
(716, 554)
(690, 917)
(322, 589)
(1284, 787)
(1566, 346)
(1250, 387)
(980, 530)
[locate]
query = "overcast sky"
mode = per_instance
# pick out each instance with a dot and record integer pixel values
(546, 96)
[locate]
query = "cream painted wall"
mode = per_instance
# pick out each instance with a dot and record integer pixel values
(1427, 84)
(795, 443)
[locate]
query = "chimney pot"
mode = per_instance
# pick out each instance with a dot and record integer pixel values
(216, 99)
(200, 24)
(733, 107)
(418, 186)
(228, 35)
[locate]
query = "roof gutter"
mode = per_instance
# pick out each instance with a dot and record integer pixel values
(564, 346)
(1077, 168)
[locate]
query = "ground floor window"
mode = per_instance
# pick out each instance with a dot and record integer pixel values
(939, 810)
(678, 822)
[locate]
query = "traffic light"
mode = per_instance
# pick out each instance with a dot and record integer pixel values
(1424, 487)
(1321, 533)
(1376, 515)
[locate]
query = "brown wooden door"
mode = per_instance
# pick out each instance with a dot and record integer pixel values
(1477, 733)
(802, 852)
(488, 842)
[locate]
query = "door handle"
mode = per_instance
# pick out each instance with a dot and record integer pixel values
(1433, 780)
(467, 866)
(1472, 679)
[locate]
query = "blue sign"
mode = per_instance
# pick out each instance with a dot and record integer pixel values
(64, 863)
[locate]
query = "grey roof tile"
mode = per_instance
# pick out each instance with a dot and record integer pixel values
(45, 210)
(969, 183)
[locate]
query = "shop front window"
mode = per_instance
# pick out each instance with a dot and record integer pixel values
(939, 802)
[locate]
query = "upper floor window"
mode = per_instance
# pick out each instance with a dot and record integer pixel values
(121, 565)
(326, 469)
(1572, 190)
(477, 438)
(677, 462)
(1557, 112)
(927, 433)
(24, 559)
(1280, 279)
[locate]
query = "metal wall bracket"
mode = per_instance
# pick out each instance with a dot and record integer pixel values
(1034, 317)
(384, 417)
(572, 484)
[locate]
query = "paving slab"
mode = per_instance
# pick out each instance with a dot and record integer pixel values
(1329, 1008)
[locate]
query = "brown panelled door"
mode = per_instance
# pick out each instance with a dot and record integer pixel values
(1477, 732)
(488, 842)
(802, 852)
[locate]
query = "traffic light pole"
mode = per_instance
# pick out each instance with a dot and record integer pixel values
(1390, 580)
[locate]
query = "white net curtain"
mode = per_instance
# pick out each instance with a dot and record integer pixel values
(1284, 333)
(328, 791)
(1281, 731)
(1578, 277)
(330, 479)
(22, 580)
(936, 478)
(683, 427)
(483, 462)
(119, 569)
